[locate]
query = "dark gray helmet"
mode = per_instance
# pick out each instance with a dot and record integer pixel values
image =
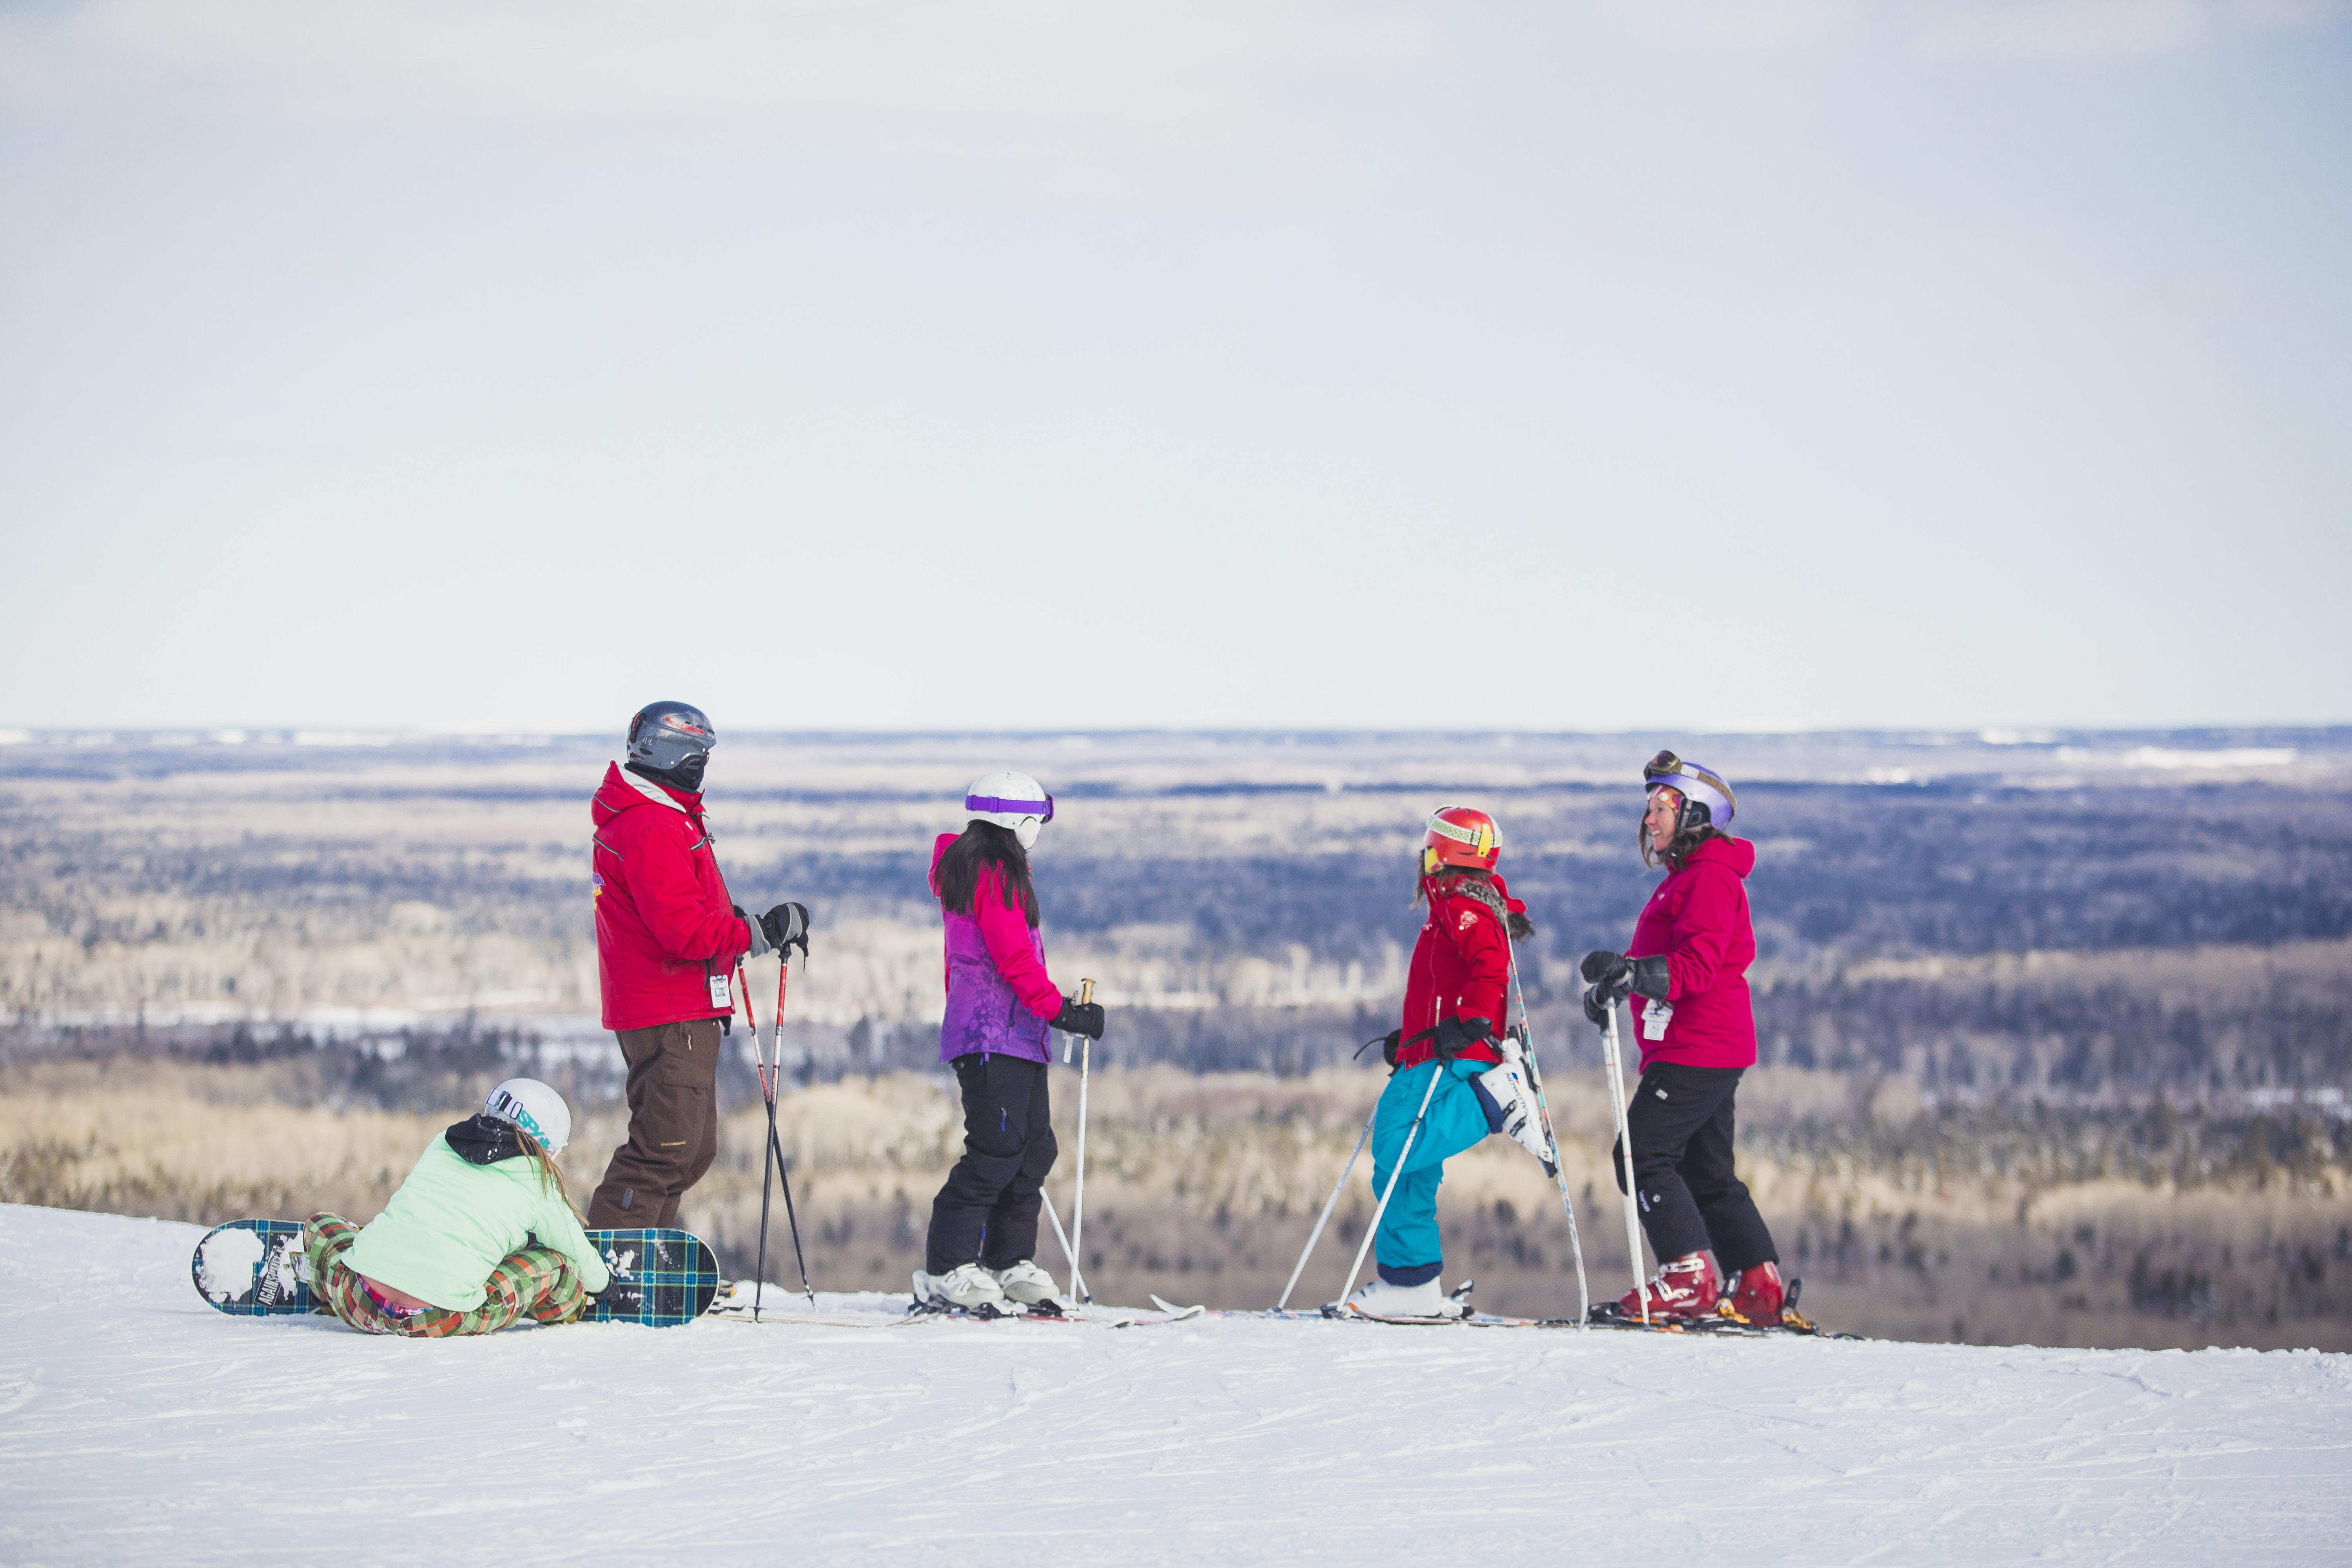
(665, 736)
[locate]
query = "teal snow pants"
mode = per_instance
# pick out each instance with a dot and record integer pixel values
(1407, 1248)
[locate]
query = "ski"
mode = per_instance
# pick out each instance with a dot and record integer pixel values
(1457, 1310)
(1726, 1321)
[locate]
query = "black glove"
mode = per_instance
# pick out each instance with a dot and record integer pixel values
(1080, 1018)
(760, 942)
(1610, 970)
(787, 926)
(1453, 1036)
(1392, 1043)
(1596, 1006)
(1650, 977)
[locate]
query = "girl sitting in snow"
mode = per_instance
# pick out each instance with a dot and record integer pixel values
(480, 1233)
(1457, 1076)
(1000, 1002)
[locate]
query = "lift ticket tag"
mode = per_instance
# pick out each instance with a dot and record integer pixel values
(720, 997)
(1655, 1020)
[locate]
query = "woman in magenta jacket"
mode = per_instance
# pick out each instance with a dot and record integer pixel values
(1686, 969)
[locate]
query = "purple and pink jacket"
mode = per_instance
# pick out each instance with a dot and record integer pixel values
(999, 998)
(1699, 919)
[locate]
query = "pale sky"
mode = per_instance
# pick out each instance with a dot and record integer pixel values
(1037, 363)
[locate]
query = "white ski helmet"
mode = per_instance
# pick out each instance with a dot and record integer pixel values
(1009, 800)
(535, 1108)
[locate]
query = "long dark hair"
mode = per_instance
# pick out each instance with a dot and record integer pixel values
(982, 845)
(1678, 848)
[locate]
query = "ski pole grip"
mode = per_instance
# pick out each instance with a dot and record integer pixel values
(1085, 991)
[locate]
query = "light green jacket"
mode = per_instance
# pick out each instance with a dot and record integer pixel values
(452, 1222)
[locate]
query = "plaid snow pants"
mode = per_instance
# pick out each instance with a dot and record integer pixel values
(537, 1283)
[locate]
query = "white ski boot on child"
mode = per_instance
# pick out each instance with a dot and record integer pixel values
(1026, 1283)
(1522, 1117)
(968, 1286)
(1379, 1299)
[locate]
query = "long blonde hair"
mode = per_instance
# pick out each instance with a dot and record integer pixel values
(550, 1172)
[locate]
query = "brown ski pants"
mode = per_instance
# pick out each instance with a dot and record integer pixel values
(673, 1125)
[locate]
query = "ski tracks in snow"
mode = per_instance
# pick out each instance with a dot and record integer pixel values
(146, 1428)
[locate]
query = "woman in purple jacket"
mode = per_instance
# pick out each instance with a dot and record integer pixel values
(1001, 1002)
(1688, 967)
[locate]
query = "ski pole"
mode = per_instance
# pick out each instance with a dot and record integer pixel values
(1064, 1238)
(1613, 1066)
(1317, 1233)
(784, 1168)
(1394, 1175)
(1078, 1202)
(1558, 1167)
(768, 1154)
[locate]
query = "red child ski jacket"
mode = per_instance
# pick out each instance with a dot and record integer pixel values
(663, 924)
(1461, 969)
(1699, 919)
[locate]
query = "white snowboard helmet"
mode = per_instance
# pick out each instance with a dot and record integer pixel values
(533, 1107)
(1009, 800)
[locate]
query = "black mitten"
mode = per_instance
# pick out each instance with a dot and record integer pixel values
(1650, 977)
(1454, 1036)
(1080, 1018)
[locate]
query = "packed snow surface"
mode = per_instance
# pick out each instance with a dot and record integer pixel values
(138, 1425)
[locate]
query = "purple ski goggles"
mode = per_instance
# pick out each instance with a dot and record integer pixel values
(1043, 810)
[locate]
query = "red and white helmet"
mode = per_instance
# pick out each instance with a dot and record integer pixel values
(1463, 837)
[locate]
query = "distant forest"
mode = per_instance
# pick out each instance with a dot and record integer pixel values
(1848, 875)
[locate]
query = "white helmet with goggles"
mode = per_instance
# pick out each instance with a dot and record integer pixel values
(1009, 800)
(1707, 800)
(535, 1108)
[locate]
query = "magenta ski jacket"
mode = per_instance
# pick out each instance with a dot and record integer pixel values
(999, 998)
(1699, 919)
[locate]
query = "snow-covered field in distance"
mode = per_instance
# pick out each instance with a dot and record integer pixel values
(138, 1426)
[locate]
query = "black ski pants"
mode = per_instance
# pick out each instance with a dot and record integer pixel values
(1680, 1125)
(987, 1212)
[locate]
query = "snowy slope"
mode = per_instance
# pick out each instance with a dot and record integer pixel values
(139, 1426)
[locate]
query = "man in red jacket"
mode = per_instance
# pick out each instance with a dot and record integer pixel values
(667, 938)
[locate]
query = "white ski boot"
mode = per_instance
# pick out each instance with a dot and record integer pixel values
(968, 1286)
(1379, 1299)
(1026, 1283)
(1522, 1117)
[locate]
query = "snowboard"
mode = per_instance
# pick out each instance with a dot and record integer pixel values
(660, 1277)
(252, 1268)
(257, 1268)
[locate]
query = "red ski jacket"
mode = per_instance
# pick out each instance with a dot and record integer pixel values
(1699, 919)
(663, 924)
(1461, 969)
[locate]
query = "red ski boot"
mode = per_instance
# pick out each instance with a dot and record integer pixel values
(1683, 1289)
(1757, 1295)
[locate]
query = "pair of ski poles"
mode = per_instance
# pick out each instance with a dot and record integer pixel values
(775, 1165)
(1075, 1238)
(1613, 1069)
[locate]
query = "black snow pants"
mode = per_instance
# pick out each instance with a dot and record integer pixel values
(987, 1212)
(1680, 1125)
